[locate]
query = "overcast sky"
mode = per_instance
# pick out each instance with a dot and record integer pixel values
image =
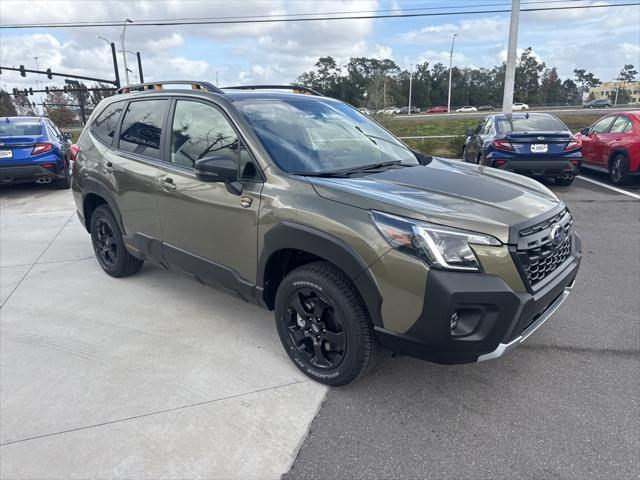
(600, 40)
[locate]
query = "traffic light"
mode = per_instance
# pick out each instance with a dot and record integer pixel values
(16, 92)
(49, 76)
(46, 89)
(30, 91)
(26, 92)
(22, 72)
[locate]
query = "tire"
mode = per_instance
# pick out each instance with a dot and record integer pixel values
(63, 183)
(464, 154)
(333, 341)
(108, 246)
(564, 182)
(619, 169)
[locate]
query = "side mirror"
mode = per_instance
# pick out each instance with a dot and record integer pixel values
(68, 135)
(219, 168)
(469, 132)
(585, 131)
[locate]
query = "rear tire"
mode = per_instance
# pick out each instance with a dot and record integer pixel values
(564, 182)
(108, 246)
(63, 183)
(324, 326)
(619, 170)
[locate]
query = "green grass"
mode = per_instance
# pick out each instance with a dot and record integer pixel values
(452, 147)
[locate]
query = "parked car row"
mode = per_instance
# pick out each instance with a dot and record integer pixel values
(541, 145)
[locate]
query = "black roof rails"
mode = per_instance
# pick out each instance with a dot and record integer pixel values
(195, 85)
(275, 87)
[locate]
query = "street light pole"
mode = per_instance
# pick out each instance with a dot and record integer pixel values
(410, 85)
(450, 66)
(124, 54)
(114, 58)
(512, 49)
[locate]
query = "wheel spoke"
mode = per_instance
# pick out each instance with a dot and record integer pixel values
(318, 358)
(336, 339)
(298, 307)
(319, 307)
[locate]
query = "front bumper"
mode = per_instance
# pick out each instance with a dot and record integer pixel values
(492, 318)
(552, 168)
(28, 173)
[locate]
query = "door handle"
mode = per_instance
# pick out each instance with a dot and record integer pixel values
(167, 184)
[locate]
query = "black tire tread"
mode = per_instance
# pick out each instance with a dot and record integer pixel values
(358, 314)
(626, 179)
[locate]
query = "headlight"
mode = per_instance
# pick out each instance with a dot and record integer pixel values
(439, 246)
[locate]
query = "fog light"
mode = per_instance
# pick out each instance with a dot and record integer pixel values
(453, 323)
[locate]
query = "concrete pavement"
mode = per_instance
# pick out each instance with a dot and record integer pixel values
(153, 376)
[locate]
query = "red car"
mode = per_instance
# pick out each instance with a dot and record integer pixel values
(437, 110)
(612, 145)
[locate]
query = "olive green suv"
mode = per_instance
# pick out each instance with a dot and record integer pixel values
(302, 205)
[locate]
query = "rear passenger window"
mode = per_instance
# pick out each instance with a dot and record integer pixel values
(105, 124)
(141, 129)
(621, 125)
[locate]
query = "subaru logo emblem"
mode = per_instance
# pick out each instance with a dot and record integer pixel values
(558, 235)
(540, 138)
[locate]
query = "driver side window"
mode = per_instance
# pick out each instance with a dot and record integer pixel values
(601, 126)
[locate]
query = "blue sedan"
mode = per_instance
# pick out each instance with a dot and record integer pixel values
(533, 144)
(32, 149)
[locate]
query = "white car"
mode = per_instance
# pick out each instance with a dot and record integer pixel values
(366, 111)
(520, 106)
(468, 108)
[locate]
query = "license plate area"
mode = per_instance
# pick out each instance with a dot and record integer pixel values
(6, 154)
(539, 148)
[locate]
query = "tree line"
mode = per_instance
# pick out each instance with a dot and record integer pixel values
(376, 84)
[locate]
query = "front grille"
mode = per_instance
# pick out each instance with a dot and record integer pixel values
(536, 253)
(541, 262)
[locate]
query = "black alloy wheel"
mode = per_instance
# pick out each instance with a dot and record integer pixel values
(106, 247)
(315, 329)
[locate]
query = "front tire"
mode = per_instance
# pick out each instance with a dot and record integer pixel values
(619, 170)
(108, 246)
(323, 324)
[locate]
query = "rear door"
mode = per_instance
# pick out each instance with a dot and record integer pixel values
(208, 230)
(130, 169)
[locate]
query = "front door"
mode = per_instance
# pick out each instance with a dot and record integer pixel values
(209, 229)
(593, 146)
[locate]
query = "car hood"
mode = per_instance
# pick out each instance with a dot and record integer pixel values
(447, 192)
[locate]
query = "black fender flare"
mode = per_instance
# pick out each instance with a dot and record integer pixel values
(289, 235)
(96, 187)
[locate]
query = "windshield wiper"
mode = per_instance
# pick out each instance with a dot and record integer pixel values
(353, 170)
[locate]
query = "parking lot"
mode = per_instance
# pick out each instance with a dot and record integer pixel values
(156, 376)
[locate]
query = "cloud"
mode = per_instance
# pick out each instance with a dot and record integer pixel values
(484, 29)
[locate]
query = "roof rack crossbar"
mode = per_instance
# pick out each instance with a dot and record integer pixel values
(275, 87)
(195, 85)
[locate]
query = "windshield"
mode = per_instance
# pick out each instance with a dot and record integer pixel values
(534, 123)
(304, 135)
(19, 129)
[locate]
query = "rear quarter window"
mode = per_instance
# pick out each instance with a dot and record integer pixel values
(105, 124)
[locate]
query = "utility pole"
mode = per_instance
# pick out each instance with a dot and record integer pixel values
(140, 67)
(450, 66)
(38, 81)
(512, 50)
(124, 53)
(410, 84)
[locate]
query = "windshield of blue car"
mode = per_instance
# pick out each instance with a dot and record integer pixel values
(532, 123)
(319, 135)
(20, 129)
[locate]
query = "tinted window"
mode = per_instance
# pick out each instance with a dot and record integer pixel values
(141, 129)
(19, 129)
(200, 131)
(105, 124)
(532, 123)
(488, 127)
(601, 126)
(621, 125)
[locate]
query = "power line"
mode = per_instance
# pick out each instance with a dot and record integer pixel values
(312, 19)
(285, 15)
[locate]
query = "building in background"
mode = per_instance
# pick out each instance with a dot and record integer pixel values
(607, 90)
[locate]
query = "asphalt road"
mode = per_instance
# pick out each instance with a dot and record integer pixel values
(557, 111)
(565, 404)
